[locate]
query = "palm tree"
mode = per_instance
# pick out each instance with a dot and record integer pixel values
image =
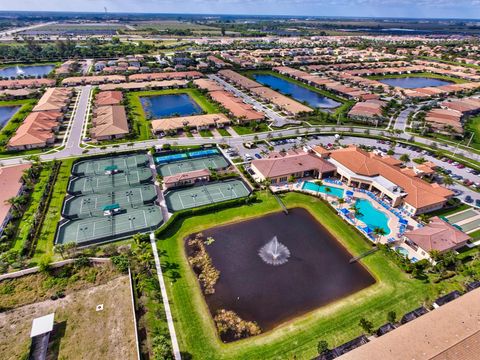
(405, 158)
(356, 211)
(327, 191)
(447, 181)
(378, 232)
(341, 201)
(318, 183)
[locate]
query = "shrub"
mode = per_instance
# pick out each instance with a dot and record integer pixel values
(121, 263)
(161, 348)
(202, 264)
(230, 325)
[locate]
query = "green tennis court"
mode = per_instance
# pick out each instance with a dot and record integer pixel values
(98, 229)
(101, 165)
(94, 204)
(107, 183)
(205, 194)
(471, 226)
(210, 162)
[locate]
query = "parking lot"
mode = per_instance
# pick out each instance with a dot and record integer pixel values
(467, 194)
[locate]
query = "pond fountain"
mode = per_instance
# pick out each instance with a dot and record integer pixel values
(19, 71)
(274, 252)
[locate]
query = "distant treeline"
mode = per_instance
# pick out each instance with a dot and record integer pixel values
(36, 51)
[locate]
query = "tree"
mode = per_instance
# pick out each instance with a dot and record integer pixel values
(378, 232)
(322, 347)
(447, 181)
(366, 325)
(60, 249)
(341, 201)
(392, 316)
(405, 158)
(356, 211)
(328, 191)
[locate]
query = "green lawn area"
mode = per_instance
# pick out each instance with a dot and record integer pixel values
(139, 120)
(27, 218)
(298, 338)
(47, 234)
(223, 132)
(420, 74)
(205, 133)
(473, 126)
(9, 129)
(447, 211)
(248, 129)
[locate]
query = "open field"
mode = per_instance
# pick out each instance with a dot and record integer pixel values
(421, 74)
(112, 336)
(336, 322)
(473, 127)
(140, 122)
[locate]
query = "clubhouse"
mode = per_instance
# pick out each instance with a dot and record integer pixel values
(398, 186)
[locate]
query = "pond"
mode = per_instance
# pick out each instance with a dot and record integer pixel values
(161, 106)
(414, 82)
(26, 70)
(297, 92)
(6, 113)
(317, 272)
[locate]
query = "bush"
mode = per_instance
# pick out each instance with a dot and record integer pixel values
(161, 348)
(230, 325)
(121, 263)
(202, 264)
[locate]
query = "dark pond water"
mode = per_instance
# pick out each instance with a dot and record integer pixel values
(169, 105)
(317, 272)
(6, 113)
(26, 70)
(297, 92)
(414, 82)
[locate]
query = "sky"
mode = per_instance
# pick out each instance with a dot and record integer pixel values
(368, 8)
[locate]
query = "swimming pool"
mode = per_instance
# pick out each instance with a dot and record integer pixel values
(335, 191)
(372, 217)
(401, 250)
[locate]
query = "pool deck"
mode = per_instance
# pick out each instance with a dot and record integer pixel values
(395, 237)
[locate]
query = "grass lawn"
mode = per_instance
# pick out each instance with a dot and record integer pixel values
(205, 133)
(140, 122)
(335, 323)
(47, 234)
(449, 211)
(420, 74)
(245, 130)
(27, 218)
(223, 132)
(9, 129)
(473, 126)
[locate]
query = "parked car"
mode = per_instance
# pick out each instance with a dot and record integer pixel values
(460, 166)
(477, 202)
(258, 156)
(468, 199)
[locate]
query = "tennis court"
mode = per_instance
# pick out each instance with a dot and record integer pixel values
(165, 159)
(471, 226)
(106, 183)
(94, 204)
(101, 165)
(205, 194)
(98, 229)
(210, 162)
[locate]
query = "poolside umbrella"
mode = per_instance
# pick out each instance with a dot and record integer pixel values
(349, 193)
(367, 230)
(403, 221)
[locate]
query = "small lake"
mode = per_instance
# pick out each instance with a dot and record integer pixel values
(26, 70)
(6, 113)
(297, 92)
(414, 82)
(317, 272)
(162, 106)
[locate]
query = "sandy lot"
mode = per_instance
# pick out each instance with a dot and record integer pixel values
(80, 331)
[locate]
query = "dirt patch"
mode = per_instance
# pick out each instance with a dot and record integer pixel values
(80, 331)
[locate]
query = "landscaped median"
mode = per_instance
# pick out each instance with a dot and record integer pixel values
(336, 322)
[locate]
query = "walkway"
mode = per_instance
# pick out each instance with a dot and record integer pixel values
(166, 304)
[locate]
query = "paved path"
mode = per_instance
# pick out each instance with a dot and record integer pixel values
(402, 119)
(166, 304)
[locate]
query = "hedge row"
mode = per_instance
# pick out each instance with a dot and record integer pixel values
(204, 210)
